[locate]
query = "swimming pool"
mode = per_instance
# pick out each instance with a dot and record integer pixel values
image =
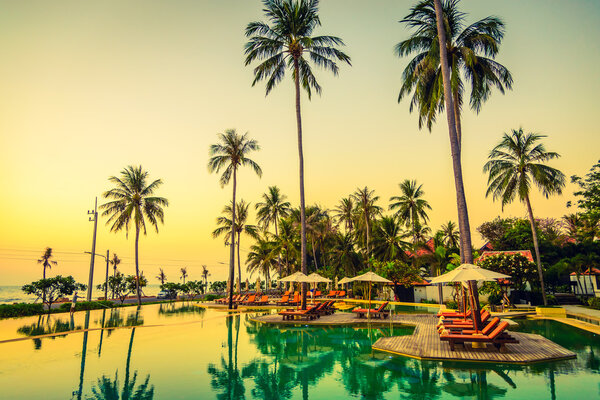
(177, 351)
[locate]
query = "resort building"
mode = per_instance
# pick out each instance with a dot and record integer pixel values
(587, 283)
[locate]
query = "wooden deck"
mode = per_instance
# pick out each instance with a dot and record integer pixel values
(425, 343)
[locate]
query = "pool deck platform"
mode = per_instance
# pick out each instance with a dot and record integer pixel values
(425, 344)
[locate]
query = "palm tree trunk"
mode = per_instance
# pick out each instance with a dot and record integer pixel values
(457, 121)
(301, 173)
(232, 244)
(239, 261)
(314, 254)
(278, 257)
(466, 254)
(137, 265)
(537, 249)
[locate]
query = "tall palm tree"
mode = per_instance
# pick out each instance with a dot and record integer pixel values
(230, 154)
(344, 213)
(284, 42)
(162, 277)
(261, 258)
(271, 210)
(514, 165)
(388, 240)
(205, 275)
(115, 261)
(46, 260)
(184, 273)
(449, 235)
(470, 51)
(365, 200)
(133, 202)
(410, 207)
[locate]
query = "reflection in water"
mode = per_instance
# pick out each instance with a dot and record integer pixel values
(171, 309)
(50, 326)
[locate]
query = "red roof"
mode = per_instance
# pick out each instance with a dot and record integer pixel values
(595, 271)
(428, 249)
(524, 253)
(487, 247)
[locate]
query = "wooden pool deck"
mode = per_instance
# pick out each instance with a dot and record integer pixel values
(425, 344)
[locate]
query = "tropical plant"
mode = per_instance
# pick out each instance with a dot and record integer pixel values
(133, 202)
(228, 155)
(261, 258)
(53, 288)
(205, 275)
(118, 286)
(367, 210)
(514, 165)
(470, 51)
(345, 213)
(449, 234)
(284, 43)
(410, 207)
(388, 240)
(345, 258)
(115, 261)
(46, 260)
(162, 277)
(184, 273)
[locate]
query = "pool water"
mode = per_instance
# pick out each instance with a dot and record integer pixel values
(179, 351)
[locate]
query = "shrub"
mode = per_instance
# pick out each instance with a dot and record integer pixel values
(211, 297)
(20, 310)
(86, 305)
(452, 304)
(594, 302)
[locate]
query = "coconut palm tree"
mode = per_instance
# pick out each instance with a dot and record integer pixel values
(115, 263)
(367, 210)
(184, 273)
(261, 258)
(205, 275)
(46, 260)
(133, 202)
(388, 240)
(230, 154)
(516, 164)
(286, 41)
(271, 210)
(449, 235)
(470, 53)
(344, 213)
(162, 277)
(410, 206)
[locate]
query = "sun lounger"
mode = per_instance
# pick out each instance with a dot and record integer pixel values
(308, 314)
(468, 329)
(317, 293)
(454, 314)
(379, 312)
(284, 300)
(250, 300)
(341, 293)
(264, 300)
(332, 293)
(485, 315)
(498, 337)
(296, 300)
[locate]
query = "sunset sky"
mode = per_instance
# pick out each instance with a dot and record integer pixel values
(88, 88)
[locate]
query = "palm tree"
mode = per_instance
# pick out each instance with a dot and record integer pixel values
(284, 42)
(344, 213)
(205, 275)
(514, 165)
(470, 52)
(261, 259)
(365, 200)
(230, 154)
(184, 273)
(241, 226)
(449, 235)
(115, 263)
(388, 240)
(410, 206)
(133, 202)
(46, 260)
(271, 210)
(162, 277)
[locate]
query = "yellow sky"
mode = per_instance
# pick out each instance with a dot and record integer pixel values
(91, 87)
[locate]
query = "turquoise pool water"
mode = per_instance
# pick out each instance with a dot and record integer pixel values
(183, 352)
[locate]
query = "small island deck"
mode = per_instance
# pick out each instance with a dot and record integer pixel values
(425, 344)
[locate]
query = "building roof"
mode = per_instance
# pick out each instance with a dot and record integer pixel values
(525, 253)
(595, 271)
(428, 248)
(487, 247)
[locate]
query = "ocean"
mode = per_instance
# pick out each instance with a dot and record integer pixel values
(14, 294)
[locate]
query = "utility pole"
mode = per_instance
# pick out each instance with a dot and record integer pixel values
(94, 217)
(107, 261)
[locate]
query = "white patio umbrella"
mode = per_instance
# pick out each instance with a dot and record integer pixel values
(344, 281)
(315, 278)
(472, 274)
(296, 277)
(370, 277)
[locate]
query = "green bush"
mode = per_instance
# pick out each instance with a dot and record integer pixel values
(211, 297)
(594, 302)
(87, 305)
(452, 304)
(20, 310)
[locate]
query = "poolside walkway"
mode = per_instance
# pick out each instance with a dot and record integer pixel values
(425, 343)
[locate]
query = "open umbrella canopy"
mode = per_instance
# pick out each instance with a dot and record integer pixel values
(369, 277)
(468, 272)
(295, 277)
(316, 278)
(344, 280)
